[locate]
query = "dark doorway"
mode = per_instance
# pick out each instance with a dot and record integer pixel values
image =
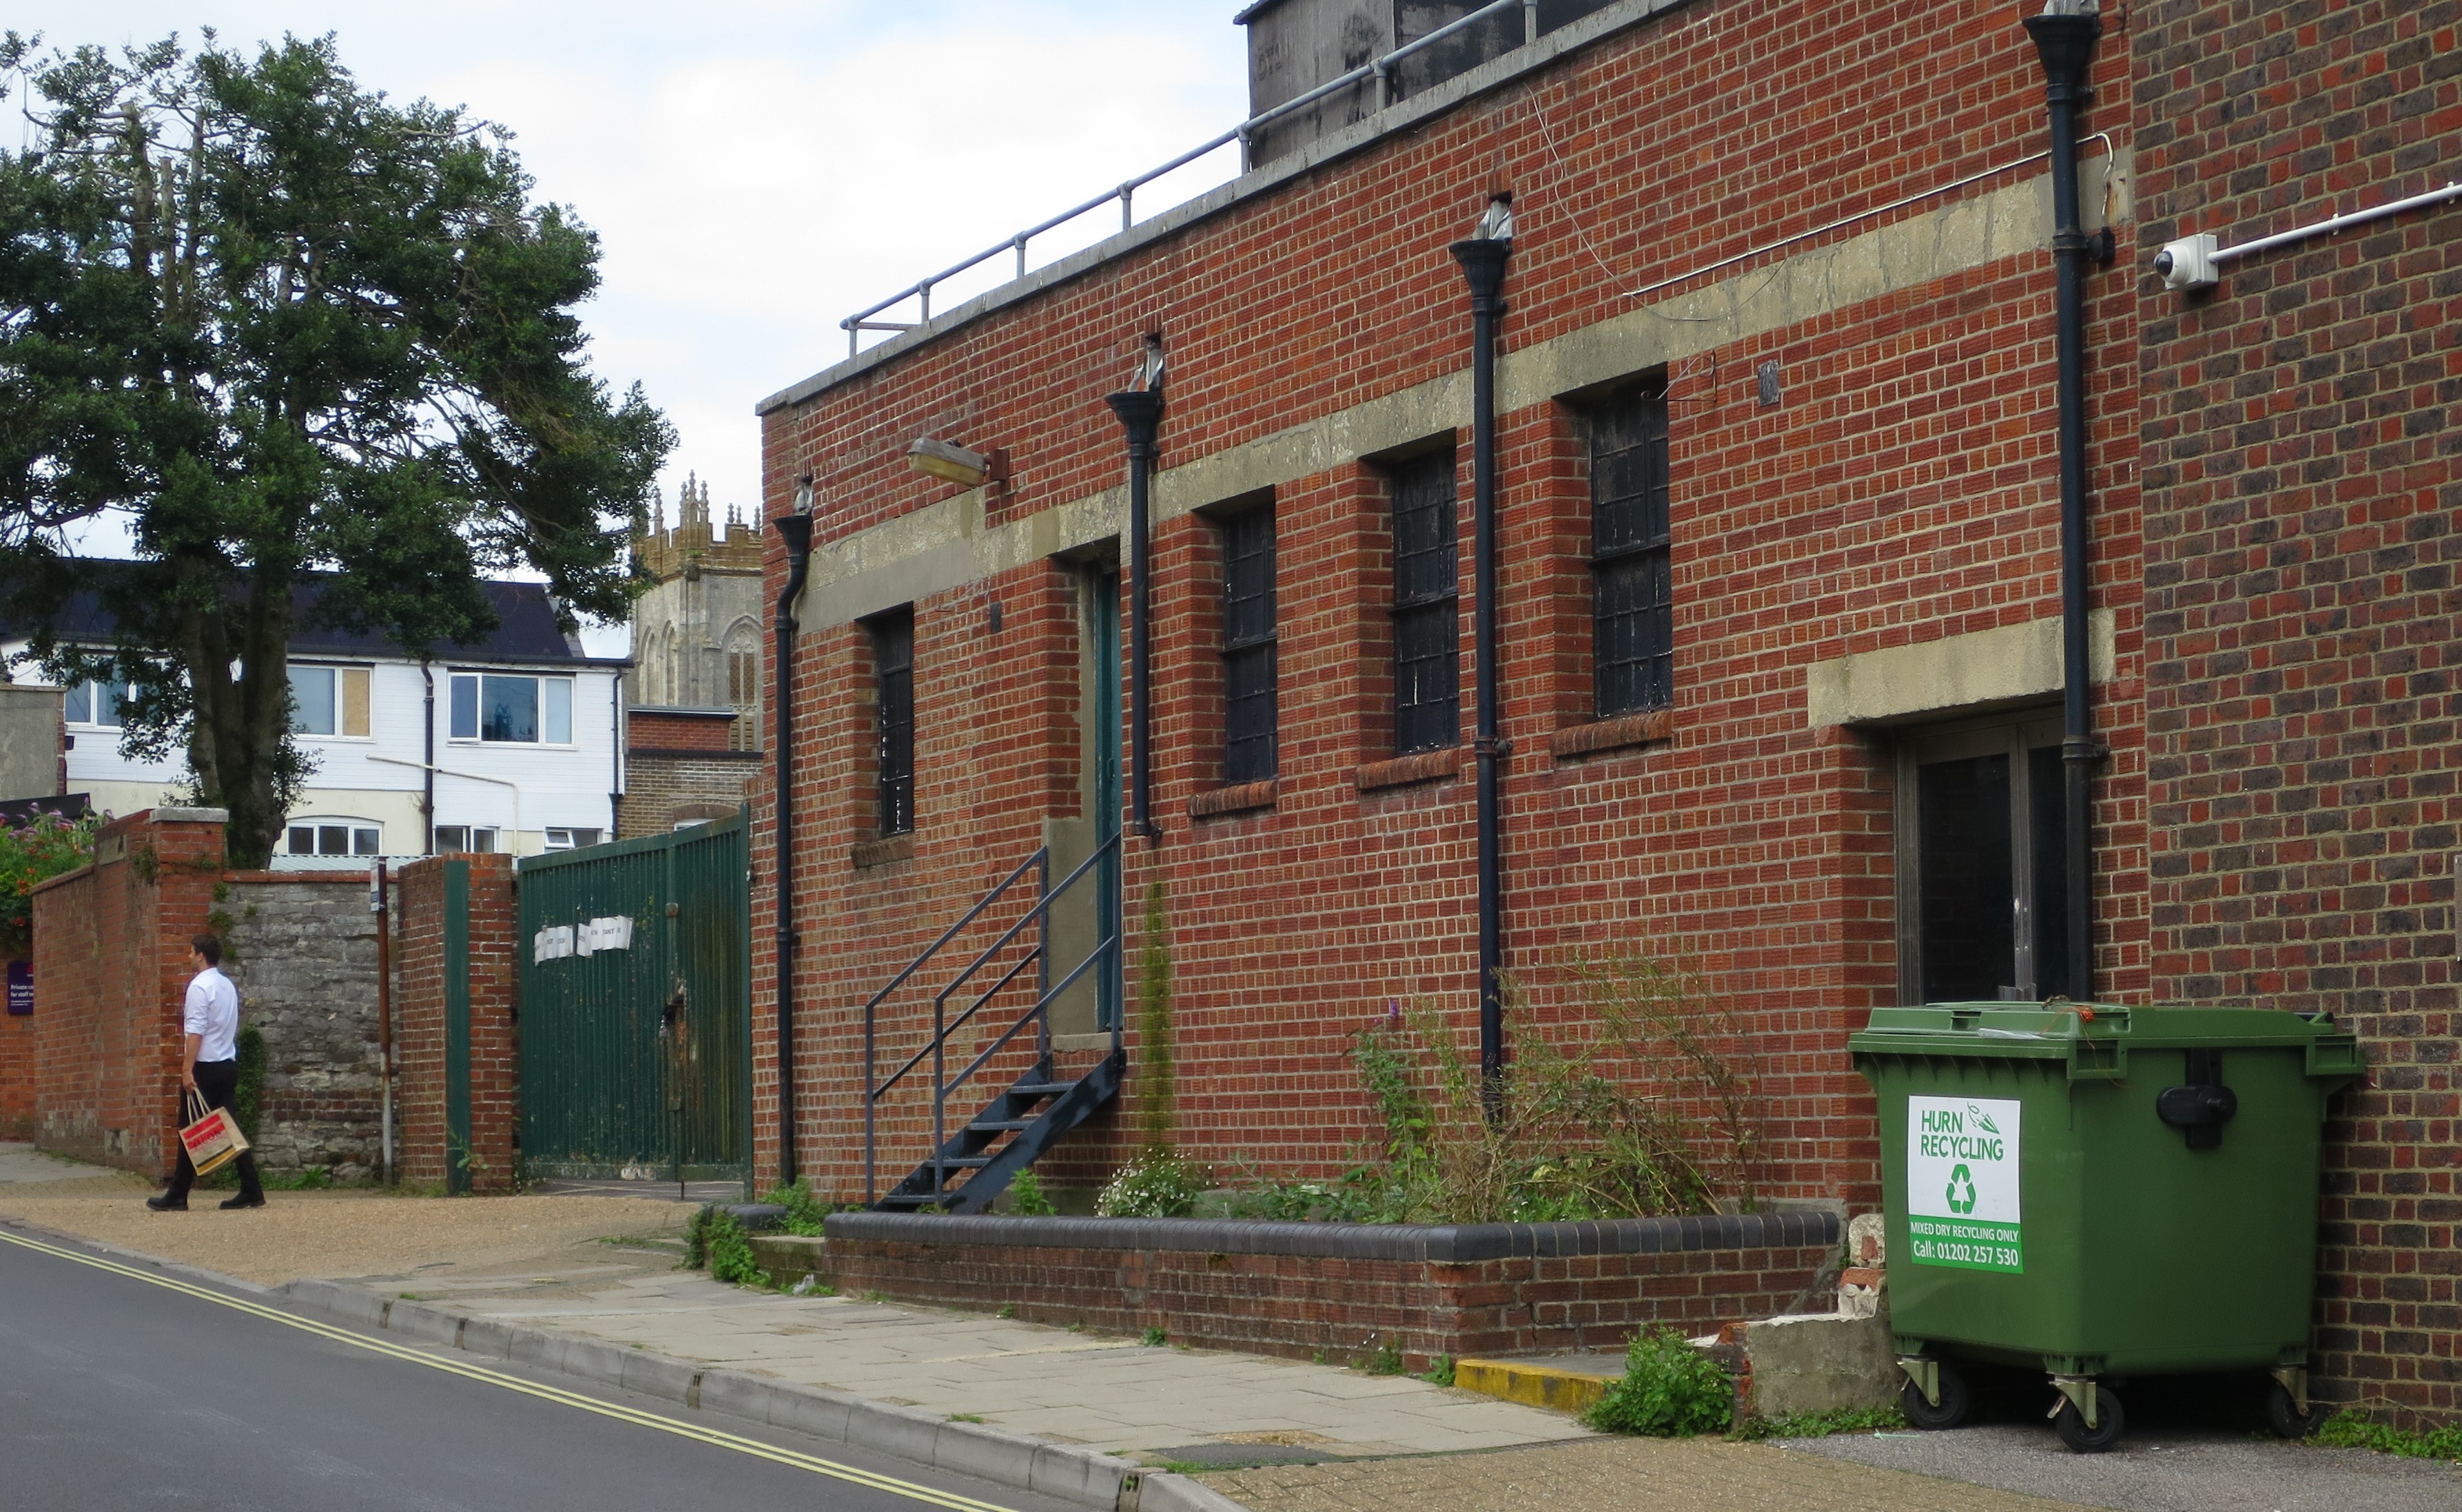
(1982, 876)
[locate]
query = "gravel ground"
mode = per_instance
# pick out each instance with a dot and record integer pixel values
(1699, 1475)
(341, 1235)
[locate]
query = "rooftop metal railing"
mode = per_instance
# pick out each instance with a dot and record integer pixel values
(1381, 69)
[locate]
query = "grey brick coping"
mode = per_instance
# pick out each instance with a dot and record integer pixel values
(1425, 1244)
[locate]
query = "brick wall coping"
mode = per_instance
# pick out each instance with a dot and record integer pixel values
(1424, 1243)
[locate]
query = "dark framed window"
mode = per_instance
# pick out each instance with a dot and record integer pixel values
(893, 665)
(1427, 622)
(1632, 597)
(1982, 869)
(1250, 681)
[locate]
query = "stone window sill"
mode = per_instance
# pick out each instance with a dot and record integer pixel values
(1237, 799)
(1423, 766)
(1647, 728)
(881, 852)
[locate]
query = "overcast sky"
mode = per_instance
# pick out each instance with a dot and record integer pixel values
(757, 169)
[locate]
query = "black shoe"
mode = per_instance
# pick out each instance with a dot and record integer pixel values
(243, 1201)
(167, 1204)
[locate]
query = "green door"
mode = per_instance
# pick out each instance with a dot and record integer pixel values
(1106, 621)
(637, 1028)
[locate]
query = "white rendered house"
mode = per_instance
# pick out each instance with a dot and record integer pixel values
(510, 744)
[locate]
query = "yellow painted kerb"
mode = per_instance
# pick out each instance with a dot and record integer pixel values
(1533, 1385)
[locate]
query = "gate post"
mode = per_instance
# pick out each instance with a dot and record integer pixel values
(456, 1044)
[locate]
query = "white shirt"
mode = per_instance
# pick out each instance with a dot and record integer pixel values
(213, 1014)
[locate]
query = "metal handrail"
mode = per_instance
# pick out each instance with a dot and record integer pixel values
(1380, 69)
(875, 1087)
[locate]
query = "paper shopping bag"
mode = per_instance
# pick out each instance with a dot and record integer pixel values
(213, 1139)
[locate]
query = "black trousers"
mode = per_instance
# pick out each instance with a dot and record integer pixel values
(219, 1081)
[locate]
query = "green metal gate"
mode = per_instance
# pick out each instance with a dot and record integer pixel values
(637, 994)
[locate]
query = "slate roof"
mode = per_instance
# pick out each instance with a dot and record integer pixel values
(525, 631)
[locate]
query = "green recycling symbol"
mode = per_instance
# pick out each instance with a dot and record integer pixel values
(1962, 1178)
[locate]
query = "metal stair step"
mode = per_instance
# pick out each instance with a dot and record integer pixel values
(1001, 1125)
(1040, 1089)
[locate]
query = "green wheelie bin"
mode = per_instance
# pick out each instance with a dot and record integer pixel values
(2102, 1191)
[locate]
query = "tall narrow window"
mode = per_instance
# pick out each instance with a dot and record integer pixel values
(892, 660)
(1427, 628)
(744, 692)
(1250, 683)
(1632, 600)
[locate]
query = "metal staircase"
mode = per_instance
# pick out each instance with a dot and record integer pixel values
(972, 1165)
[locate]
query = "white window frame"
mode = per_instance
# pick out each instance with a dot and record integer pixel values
(476, 840)
(87, 687)
(315, 826)
(560, 837)
(543, 682)
(340, 674)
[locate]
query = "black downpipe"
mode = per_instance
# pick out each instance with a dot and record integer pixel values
(1140, 413)
(1482, 261)
(427, 763)
(2064, 36)
(796, 530)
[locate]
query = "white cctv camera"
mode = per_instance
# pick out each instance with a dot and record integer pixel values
(2189, 263)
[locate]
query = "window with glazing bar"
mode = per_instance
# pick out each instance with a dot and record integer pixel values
(1632, 601)
(1427, 630)
(1250, 685)
(893, 662)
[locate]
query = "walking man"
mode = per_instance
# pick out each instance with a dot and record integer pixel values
(212, 1068)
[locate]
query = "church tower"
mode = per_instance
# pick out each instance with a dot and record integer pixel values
(697, 629)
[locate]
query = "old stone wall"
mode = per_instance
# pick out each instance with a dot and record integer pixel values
(302, 949)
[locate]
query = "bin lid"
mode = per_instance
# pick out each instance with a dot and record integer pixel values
(2095, 1038)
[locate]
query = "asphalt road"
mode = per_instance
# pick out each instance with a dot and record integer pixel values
(115, 1393)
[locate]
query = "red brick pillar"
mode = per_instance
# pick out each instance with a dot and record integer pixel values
(111, 973)
(431, 1081)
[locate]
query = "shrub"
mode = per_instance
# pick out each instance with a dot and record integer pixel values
(728, 1248)
(1153, 1186)
(32, 854)
(1027, 1198)
(1669, 1389)
(804, 1209)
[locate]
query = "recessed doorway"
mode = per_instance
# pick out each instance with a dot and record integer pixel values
(1983, 868)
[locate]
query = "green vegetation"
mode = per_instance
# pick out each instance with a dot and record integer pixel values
(1570, 1137)
(1440, 1370)
(965, 1418)
(1821, 1425)
(1027, 1198)
(29, 855)
(305, 1178)
(1153, 1186)
(1154, 1338)
(279, 325)
(805, 1210)
(1387, 1360)
(1669, 1389)
(713, 1240)
(2349, 1430)
(1157, 1182)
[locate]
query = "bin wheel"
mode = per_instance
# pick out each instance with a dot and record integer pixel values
(2109, 1423)
(2285, 1418)
(1949, 1414)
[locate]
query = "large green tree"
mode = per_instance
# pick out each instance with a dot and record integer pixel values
(291, 334)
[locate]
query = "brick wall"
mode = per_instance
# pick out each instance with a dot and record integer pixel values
(1276, 1288)
(665, 786)
(301, 948)
(420, 1046)
(2302, 609)
(111, 971)
(672, 730)
(1902, 491)
(17, 1063)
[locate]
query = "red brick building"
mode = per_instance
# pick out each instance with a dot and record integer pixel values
(1780, 601)
(2303, 619)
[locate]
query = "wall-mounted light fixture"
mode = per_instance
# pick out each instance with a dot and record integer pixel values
(949, 460)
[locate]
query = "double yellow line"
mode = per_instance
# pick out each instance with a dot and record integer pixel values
(589, 1404)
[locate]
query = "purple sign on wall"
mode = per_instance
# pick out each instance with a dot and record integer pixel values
(21, 987)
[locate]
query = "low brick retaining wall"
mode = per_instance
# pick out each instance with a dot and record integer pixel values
(1347, 1291)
